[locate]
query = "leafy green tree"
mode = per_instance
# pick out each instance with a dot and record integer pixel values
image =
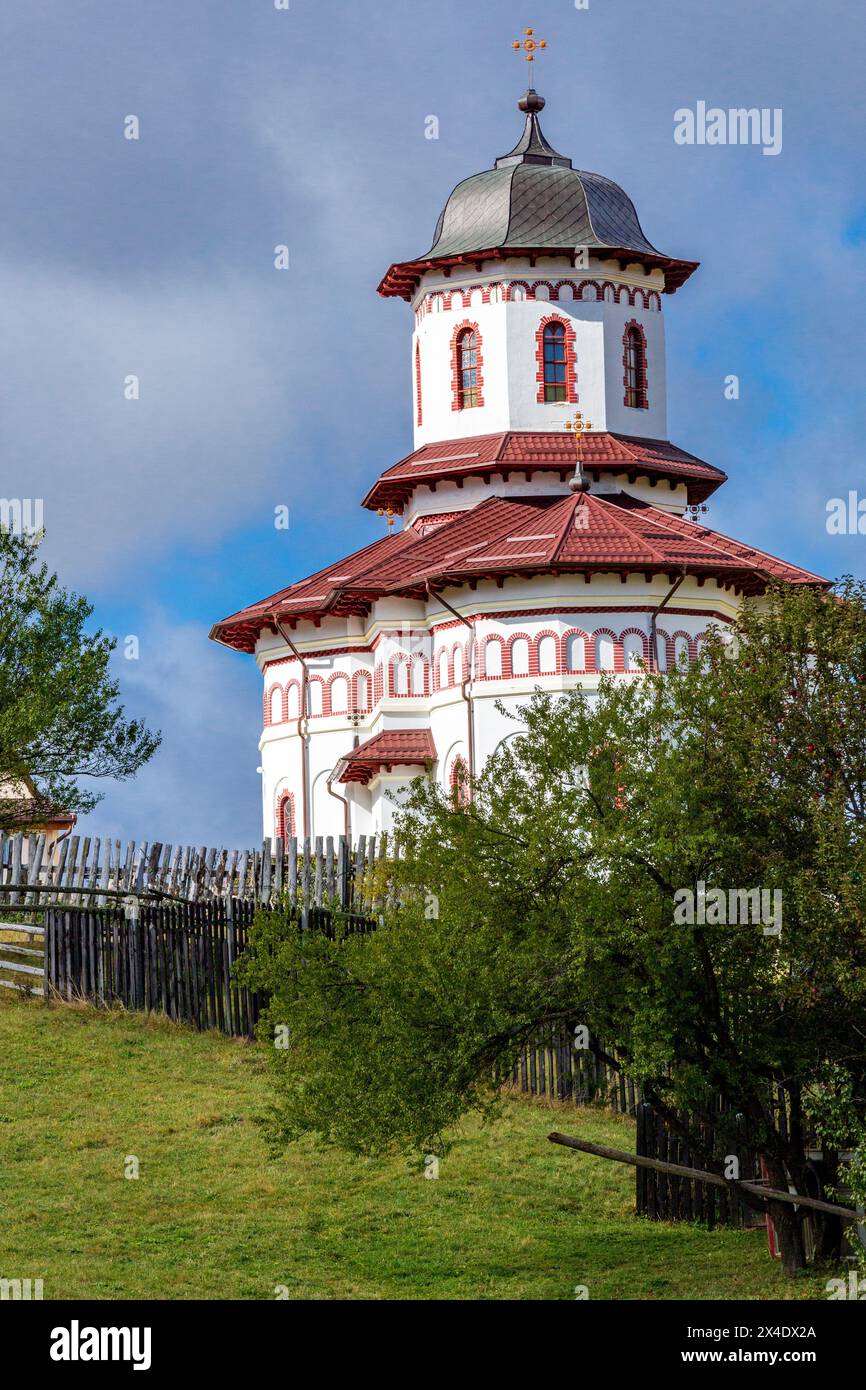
(60, 722)
(561, 894)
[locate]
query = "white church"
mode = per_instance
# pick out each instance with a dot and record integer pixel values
(547, 528)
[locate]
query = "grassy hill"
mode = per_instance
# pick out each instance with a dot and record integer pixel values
(214, 1215)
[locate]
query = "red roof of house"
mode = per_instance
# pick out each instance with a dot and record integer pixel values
(522, 451)
(388, 749)
(579, 533)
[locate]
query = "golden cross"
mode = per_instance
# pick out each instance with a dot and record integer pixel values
(529, 44)
(579, 426)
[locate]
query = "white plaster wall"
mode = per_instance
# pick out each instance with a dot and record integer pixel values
(604, 602)
(509, 362)
(448, 497)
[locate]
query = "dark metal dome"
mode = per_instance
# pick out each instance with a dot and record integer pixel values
(534, 202)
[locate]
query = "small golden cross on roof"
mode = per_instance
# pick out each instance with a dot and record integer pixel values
(579, 426)
(530, 44)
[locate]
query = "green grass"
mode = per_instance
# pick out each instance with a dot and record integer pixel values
(213, 1215)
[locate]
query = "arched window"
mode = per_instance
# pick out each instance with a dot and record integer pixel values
(468, 393)
(419, 411)
(604, 652)
(576, 652)
(492, 657)
(554, 362)
(520, 657)
(459, 782)
(285, 816)
(339, 695)
(632, 651)
(276, 698)
(400, 677)
(547, 656)
(634, 361)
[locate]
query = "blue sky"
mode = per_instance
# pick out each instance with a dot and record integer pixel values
(259, 388)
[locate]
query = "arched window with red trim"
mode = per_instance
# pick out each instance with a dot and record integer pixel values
(418, 406)
(634, 362)
(555, 362)
(468, 393)
(285, 816)
(459, 782)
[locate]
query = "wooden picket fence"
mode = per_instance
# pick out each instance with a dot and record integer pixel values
(79, 870)
(665, 1197)
(175, 959)
(552, 1066)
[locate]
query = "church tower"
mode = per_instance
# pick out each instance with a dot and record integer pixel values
(548, 527)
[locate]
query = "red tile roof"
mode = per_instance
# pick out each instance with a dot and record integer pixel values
(388, 749)
(582, 533)
(517, 452)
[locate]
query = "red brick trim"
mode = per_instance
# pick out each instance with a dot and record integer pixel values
(587, 644)
(539, 638)
(269, 721)
(361, 703)
(493, 640)
(644, 641)
(599, 292)
(293, 688)
(570, 358)
(633, 327)
(532, 656)
(419, 412)
(672, 642)
(629, 294)
(617, 651)
(456, 403)
(327, 695)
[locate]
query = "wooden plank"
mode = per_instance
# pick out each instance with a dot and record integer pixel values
(292, 873)
(771, 1194)
(279, 855)
(305, 883)
(34, 868)
(20, 969)
(15, 877)
(81, 878)
(330, 871)
(265, 894)
(319, 872)
(13, 950)
(343, 872)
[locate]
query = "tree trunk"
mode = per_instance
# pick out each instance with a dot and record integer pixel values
(786, 1220)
